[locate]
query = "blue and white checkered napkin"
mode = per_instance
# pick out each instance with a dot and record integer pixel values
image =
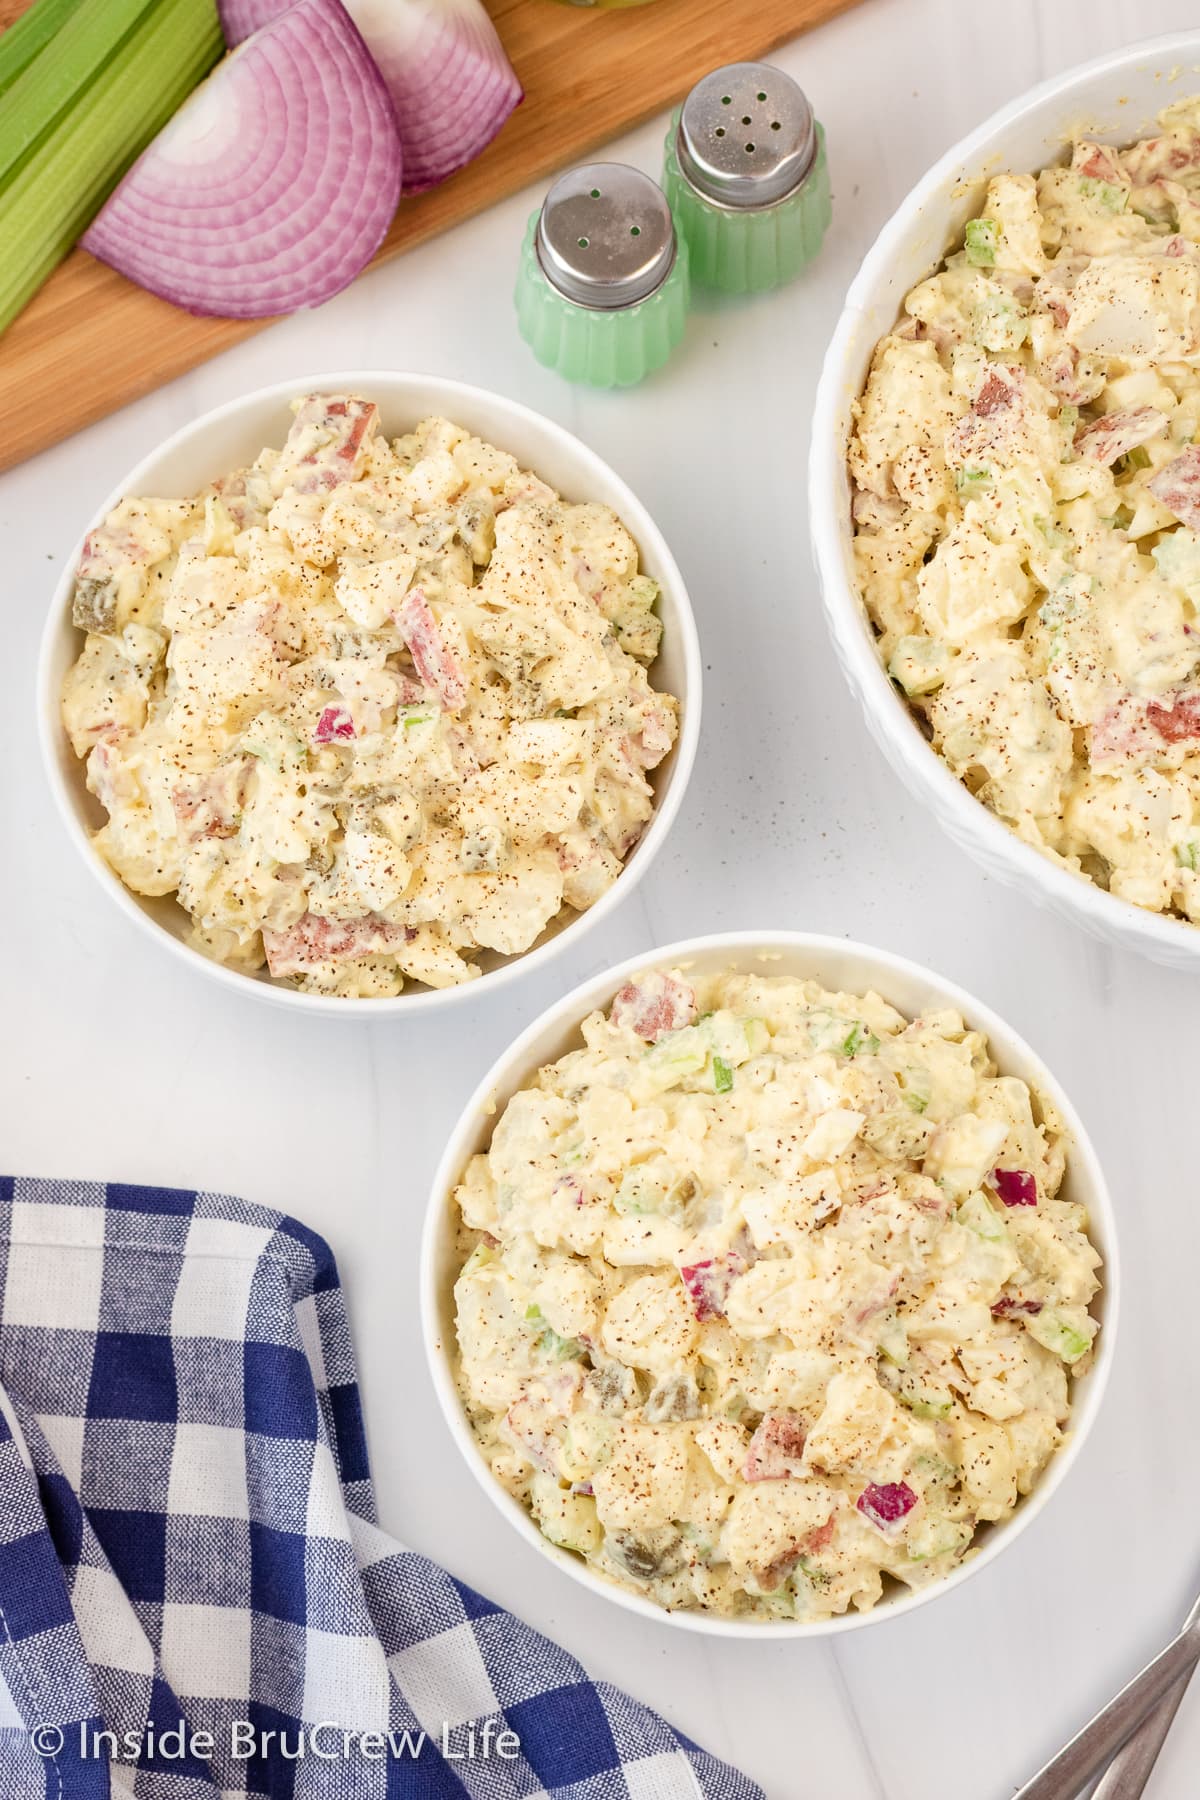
(188, 1536)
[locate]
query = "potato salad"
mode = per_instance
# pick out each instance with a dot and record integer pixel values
(1027, 505)
(368, 708)
(769, 1295)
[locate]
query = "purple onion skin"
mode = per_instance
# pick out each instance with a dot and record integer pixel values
(1016, 1187)
(451, 84)
(887, 1504)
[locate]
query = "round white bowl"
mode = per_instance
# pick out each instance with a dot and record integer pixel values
(234, 434)
(1116, 99)
(840, 965)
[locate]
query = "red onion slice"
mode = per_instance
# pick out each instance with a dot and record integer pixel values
(273, 185)
(450, 81)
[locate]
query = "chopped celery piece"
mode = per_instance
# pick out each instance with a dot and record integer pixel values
(919, 664)
(1054, 534)
(859, 1038)
(1068, 424)
(27, 36)
(270, 740)
(915, 1101)
(52, 84)
(1120, 520)
(982, 238)
(937, 1537)
(638, 1193)
(1059, 1334)
(54, 195)
(893, 1341)
(679, 1054)
(1112, 198)
(411, 717)
(557, 1348)
(972, 481)
(979, 1217)
(722, 1075)
(758, 1037)
(480, 1256)
(1137, 458)
(1185, 854)
(533, 1312)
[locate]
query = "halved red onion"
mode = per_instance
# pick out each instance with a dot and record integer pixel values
(275, 183)
(450, 81)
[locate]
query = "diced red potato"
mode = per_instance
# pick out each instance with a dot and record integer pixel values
(1177, 485)
(1176, 245)
(708, 1282)
(335, 726)
(1153, 158)
(433, 659)
(776, 1450)
(208, 807)
(648, 746)
(885, 1504)
(341, 426)
(1116, 433)
(1000, 389)
(878, 1302)
(1179, 722)
(995, 409)
(654, 1005)
(1055, 298)
(530, 1429)
(1123, 732)
(1016, 1187)
(1061, 375)
(314, 940)
(233, 491)
(1009, 1307)
(1097, 162)
(106, 552)
(409, 691)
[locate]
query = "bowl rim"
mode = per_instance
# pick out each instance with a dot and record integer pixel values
(646, 533)
(515, 1062)
(1106, 914)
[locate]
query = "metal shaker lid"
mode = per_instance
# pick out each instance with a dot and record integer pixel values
(746, 136)
(605, 236)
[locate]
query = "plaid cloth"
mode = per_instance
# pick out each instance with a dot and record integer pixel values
(188, 1533)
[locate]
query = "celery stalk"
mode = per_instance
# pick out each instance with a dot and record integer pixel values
(55, 195)
(44, 92)
(27, 36)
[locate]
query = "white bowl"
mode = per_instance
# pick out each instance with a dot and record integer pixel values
(234, 434)
(840, 965)
(1115, 99)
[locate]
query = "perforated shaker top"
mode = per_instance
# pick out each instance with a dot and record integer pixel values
(747, 137)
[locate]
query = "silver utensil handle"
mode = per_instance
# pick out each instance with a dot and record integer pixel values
(1065, 1774)
(1130, 1769)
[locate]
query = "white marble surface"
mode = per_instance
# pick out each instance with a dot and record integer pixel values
(116, 1063)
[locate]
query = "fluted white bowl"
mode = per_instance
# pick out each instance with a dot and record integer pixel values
(840, 965)
(234, 434)
(1115, 98)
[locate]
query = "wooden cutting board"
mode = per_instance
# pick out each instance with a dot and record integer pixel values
(91, 341)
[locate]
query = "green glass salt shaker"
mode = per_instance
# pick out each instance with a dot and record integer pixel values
(603, 291)
(747, 178)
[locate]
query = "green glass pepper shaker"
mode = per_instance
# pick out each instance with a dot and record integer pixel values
(747, 178)
(603, 291)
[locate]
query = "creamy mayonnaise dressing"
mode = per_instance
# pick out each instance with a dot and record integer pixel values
(769, 1293)
(367, 708)
(1027, 505)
